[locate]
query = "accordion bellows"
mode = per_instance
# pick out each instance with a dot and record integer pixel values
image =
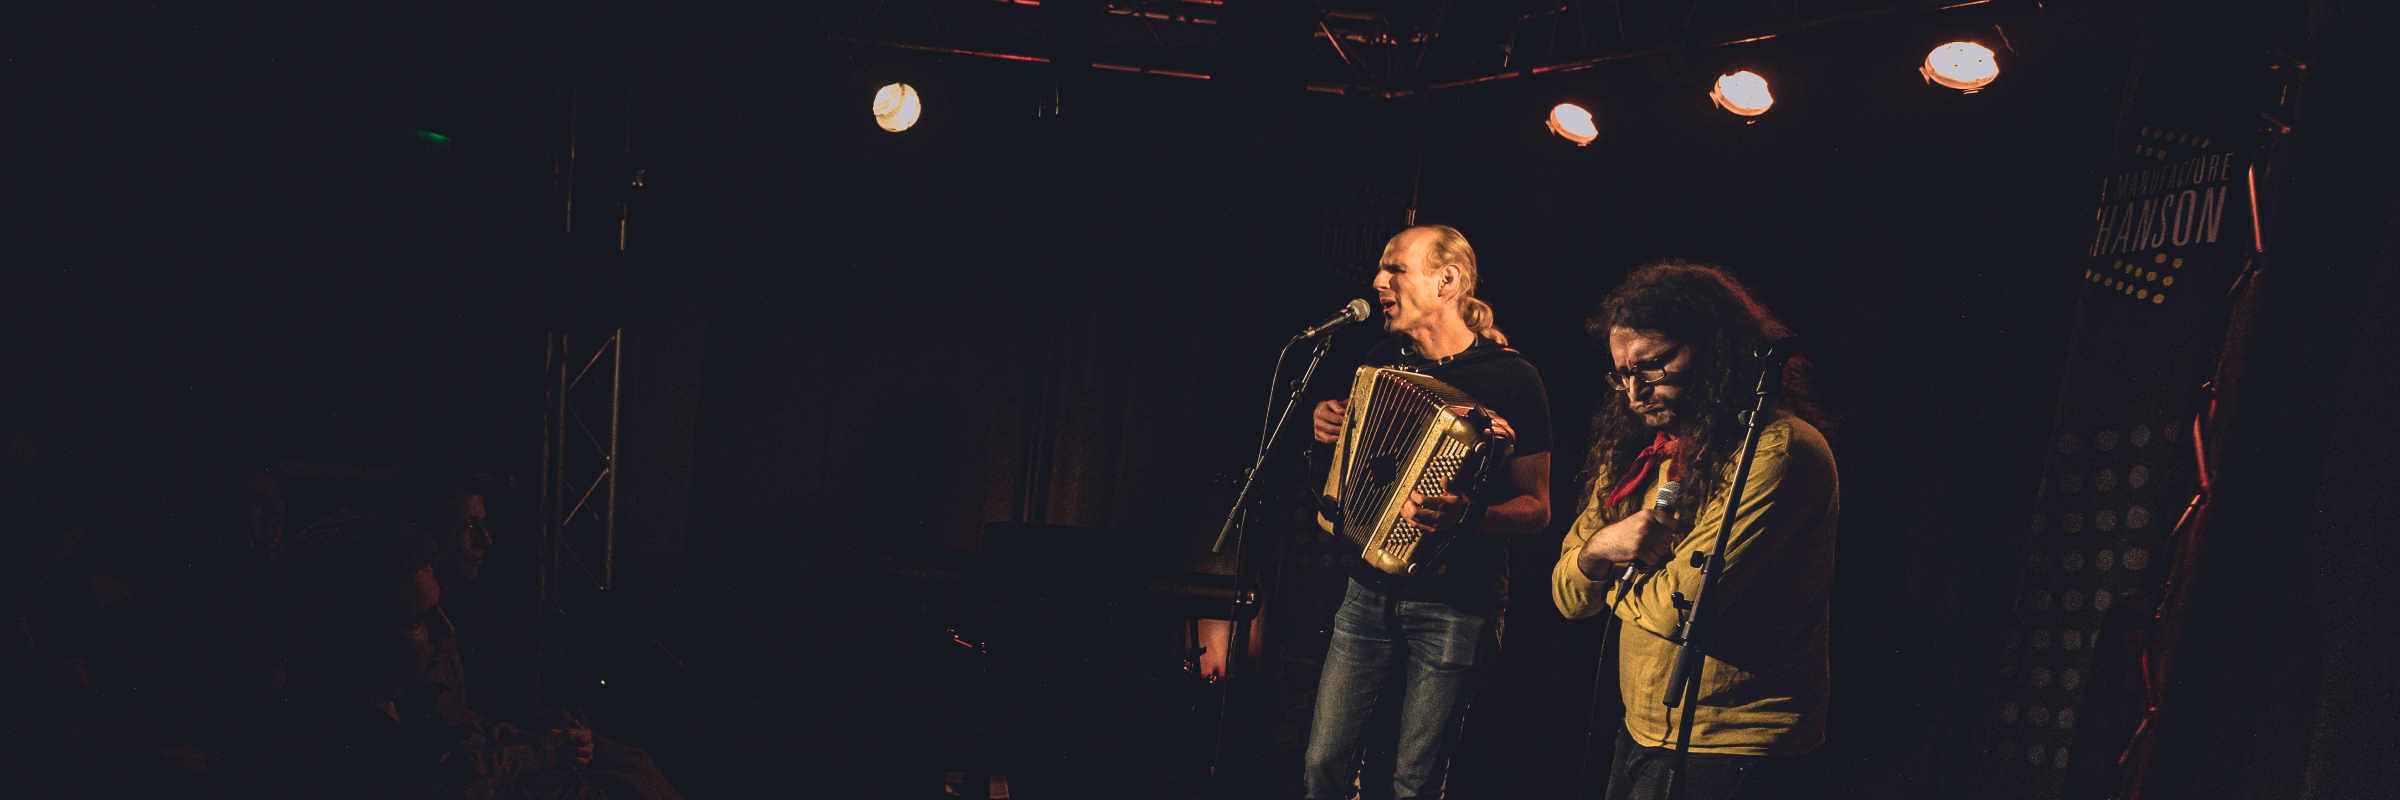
(1404, 432)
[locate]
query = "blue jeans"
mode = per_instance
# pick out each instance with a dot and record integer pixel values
(1432, 649)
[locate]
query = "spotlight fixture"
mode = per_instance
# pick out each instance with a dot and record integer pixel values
(1743, 93)
(1574, 124)
(1961, 65)
(897, 107)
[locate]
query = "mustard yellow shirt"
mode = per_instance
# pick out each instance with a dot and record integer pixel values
(1766, 683)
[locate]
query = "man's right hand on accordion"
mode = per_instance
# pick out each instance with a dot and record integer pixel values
(1326, 424)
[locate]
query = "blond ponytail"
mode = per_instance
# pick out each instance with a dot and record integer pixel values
(1450, 248)
(1478, 315)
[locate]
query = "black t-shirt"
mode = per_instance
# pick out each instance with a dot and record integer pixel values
(1473, 573)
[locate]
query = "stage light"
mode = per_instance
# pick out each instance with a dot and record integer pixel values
(897, 107)
(1574, 124)
(1743, 93)
(1961, 65)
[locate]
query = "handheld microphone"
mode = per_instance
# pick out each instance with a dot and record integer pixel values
(1356, 311)
(1668, 493)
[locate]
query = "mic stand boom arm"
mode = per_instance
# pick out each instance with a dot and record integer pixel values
(1274, 442)
(1683, 682)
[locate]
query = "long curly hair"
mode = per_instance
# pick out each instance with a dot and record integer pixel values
(1716, 319)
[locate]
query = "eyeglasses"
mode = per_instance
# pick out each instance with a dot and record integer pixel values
(1642, 373)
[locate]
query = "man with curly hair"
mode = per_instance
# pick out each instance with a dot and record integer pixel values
(1681, 337)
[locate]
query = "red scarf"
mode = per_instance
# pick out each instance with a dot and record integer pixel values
(1662, 447)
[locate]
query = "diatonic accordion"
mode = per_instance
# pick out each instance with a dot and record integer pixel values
(1404, 432)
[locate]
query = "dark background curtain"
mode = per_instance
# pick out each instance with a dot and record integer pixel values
(846, 345)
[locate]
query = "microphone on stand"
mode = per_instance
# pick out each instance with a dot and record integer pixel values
(1667, 494)
(1356, 311)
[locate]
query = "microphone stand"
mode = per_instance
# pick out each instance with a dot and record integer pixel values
(1239, 627)
(1683, 684)
(1274, 443)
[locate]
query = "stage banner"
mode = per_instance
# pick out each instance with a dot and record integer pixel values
(2171, 234)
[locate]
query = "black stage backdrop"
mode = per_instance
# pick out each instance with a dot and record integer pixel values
(848, 345)
(2118, 494)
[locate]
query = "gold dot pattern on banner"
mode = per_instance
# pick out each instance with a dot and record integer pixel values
(2159, 259)
(2073, 601)
(2178, 262)
(2139, 436)
(2101, 600)
(2106, 520)
(2071, 523)
(2041, 677)
(2041, 602)
(2158, 298)
(2167, 281)
(2038, 715)
(2008, 713)
(2034, 753)
(2041, 640)
(2105, 440)
(2071, 678)
(2137, 518)
(2066, 718)
(2135, 558)
(2150, 276)
(2071, 640)
(2140, 474)
(2143, 294)
(2105, 480)
(2104, 561)
(2072, 561)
